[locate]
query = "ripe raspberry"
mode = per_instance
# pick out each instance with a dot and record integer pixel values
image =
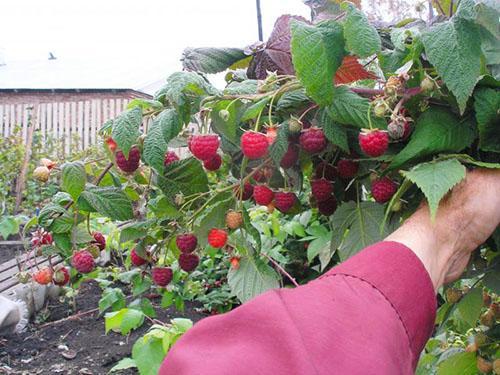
(235, 263)
(262, 195)
(204, 147)
(41, 237)
(347, 168)
(291, 156)
(170, 157)
(321, 189)
(284, 201)
(188, 262)
(186, 242)
(325, 170)
(217, 237)
(234, 219)
(254, 145)
(374, 143)
(383, 189)
(137, 260)
(247, 192)
(162, 276)
(43, 276)
(132, 163)
(271, 134)
(313, 140)
(328, 206)
(61, 276)
(83, 261)
(111, 144)
(99, 240)
(213, 163)
(41, 173)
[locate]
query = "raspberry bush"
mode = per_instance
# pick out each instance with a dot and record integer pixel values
(297, 164)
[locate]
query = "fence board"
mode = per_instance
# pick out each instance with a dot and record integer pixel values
(74, 128)
(43, 120)
(67, 128)
(93, 121)
(86, 124)
(60, 124)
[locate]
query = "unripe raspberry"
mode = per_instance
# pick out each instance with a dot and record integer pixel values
(83, 261)
(254, 145)
(48, 163)
(321, 189)
(453, 295)
(313, 140)
(99, 240)
(111, 144)
(427, 85)
(186, 242)
(213, 163)
(61, 276)
(224, 115)
(380, 109)
(162, 276)
(374, 143)
(284, 201)
(395, 130)
(246, 194)
(383, 189)
(262, 195)
(93, 249)
(234, 219)
(170, 157)
(136, 259)
(188, 261)
(347, 168)
(271, 134)
(235, 263)
(131, 164)
(294, 125)
(41, 173)
(217, 238)
(43, 276)
(204, 147)
(328, 206)
(291, 156)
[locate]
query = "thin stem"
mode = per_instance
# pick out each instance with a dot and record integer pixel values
(307, 111)
(281, 269)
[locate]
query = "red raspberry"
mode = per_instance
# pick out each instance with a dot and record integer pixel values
(188, 262)
(99, 240)
(328, 206)
(291, 156)
(162, 276)
(217, 237)
(235, 263)
(213, 163)
(321, 189)
(137, 260)
(83, 261)
(186, 242)
(132, 163)
(374, 142)
(41, 237)
(383, 189)
(313, 140)
(254, 145)
(111, 144)
(325, 170)
(204, 147)
(43, 276)
(247, 192)
(61, 276)
(262, 195)
(170, 157)
(284, 201)
(347, 168)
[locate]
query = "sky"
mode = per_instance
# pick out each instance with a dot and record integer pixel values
(140, 34)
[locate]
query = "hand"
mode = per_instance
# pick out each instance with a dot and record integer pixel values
(465, 219)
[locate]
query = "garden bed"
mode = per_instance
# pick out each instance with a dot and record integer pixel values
(41, 349)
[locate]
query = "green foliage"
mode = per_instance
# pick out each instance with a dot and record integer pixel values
(487, 106)
(126, 129)
(211, 60)
(74, 179)
(361, 37)
(108, 201)
(461, 363)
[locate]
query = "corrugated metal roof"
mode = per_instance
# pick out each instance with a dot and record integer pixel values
(80, 74)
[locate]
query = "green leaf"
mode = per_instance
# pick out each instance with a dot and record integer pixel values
(461, 363)
(123, 364)
(348, 108)
(334, 132)
(126, 129)
(255, 109)
(361, 37)
(252, 278)
(248, 86)
(469, 307)
(454, 48)
(363, 222)
(148, 355)
(291, 100)
(317, 53)
(229, 128)
(61, 198)
(212, 218)
(112, 298)
(145, 104)
(108, 201)
(62, 224)
(435, 179)
(185, 176)
(436, 130)
(487, 106)
(280, 146)
(8, 226)
(211, 60)
(135, 231)
(48, 213)
(74, 178)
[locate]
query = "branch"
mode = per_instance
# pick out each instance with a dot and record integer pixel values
(281, 269)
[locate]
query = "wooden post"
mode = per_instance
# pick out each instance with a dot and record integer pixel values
(31, 125)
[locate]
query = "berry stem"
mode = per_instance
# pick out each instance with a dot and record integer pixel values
(282, 270)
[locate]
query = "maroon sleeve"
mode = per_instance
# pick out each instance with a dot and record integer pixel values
(370, 315)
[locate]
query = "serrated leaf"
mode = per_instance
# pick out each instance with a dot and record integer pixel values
(228, 127)
(469, 307)
(252, 278)
(454, 49)
(349, 108)
(62, 224)
(292, 100)
(317, 53)
(61, 198)
(148, 354)
(461, 363)
(436, 130)
(213, 218)
(8, 226)
(255, 109)
(48, 213)
(211, 60)
(248, 86)
(334, 132)
(351, 71)
(135, 231)
(487, 106)
(73, 178)
(111, 298)
(361, 37)
(123, 364)
(126, 129)
(280, 145)
(108, 201)
(435, 179)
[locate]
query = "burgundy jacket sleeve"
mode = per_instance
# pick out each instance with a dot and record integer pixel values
(370, 315)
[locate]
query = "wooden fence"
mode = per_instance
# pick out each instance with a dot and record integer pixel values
(75, 123)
